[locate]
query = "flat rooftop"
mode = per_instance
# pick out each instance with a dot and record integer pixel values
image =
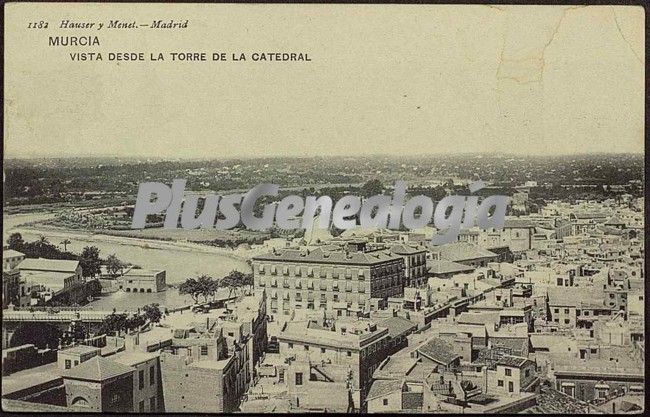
(30, 377)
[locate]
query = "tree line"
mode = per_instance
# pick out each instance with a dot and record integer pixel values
(89, 259)
(206, 287)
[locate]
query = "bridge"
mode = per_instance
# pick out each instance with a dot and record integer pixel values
(52, 317)
(27, 323)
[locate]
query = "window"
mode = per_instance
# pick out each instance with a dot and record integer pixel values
(527, 373)
(152, 404)
(508, 372)
(349, 353)
(290, 345)
(76, 363)
(204, 351)
(500, 382)
(385, 401)
(567, 321)
(68, 364)
(511, 386)
(298, 378)
(566, 311)
(141, 382)
(141, 406)
(306, 347)
(152, 375)
(322, 350)
(557, 310)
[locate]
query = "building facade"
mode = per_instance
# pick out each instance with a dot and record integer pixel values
(319, 278)
(143, 280)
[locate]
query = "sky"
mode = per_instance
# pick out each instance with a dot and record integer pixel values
(384, 79)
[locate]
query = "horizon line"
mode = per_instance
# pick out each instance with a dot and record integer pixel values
(369, 155)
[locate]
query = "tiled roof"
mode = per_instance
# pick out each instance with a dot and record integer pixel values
(447, 267)
(97, 369)
(397, 326)
(383, 387)
(512, 343)
(551, 401)
(55, 265)
(461, 251)
(439, 351)
(396, 365)
(483, 317)
(319, 255)
(573, 296)
(615, 220)
(10, 253)
(518, 224)
(589, 215)
(513, 361)
(132, 358)
(402, 249)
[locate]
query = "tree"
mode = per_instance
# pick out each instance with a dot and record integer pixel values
(76, 333)
(114, 265)
(90, 262)
(372, 187)
(94, 288)
(236, 280)
(134, 322)
(16, 241)
(190, 287)
(152, 313)
(207, 286)
(114, 323)
(65, 243)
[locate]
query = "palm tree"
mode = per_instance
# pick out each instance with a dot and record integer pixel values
(65, 243)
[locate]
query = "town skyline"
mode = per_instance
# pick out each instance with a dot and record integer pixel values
(68, 155)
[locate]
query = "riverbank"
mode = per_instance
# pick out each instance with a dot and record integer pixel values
(92, 237)
(180, 260)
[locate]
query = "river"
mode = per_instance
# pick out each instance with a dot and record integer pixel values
(181, 261)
